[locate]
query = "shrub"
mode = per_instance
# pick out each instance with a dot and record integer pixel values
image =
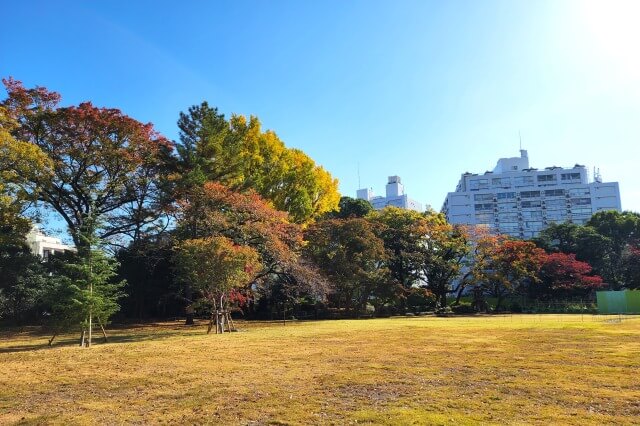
(443, 312)
(385, 311)
(515, 307)
(463, 308)
(419, 300)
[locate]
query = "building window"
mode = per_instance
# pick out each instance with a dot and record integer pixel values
(581, 210)
(530, 194)
(570, 176)
(556, 203)
(484, 207)
(556, 215)
(508, 217)
(484, 218)
(507, 206)
(547, 178)
(477, 184)
(581, 201)
(554, 193)
(530, 204)
(501, 182)
(506, 195)
(483, 197)
(532, 225)
(577, 192)
(523, 180)
(532, 214)
(509, 227)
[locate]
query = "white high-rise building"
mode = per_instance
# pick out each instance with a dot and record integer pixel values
(395, 196)
(520, 201)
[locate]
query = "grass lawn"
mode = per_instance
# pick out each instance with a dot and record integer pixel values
(560, 369)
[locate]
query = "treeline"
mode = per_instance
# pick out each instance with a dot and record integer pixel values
(123, 189)
(394, 260)
(228, 218)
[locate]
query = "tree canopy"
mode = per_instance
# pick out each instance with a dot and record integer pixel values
(350, 252)
(22, 164)
(242, 211)
(604, 242)
(425, 250)
(240, 155)
(105, 166)
(247, 220)
(562, 272)
(507, 265)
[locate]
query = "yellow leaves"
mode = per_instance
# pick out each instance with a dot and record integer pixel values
(20, 162)
(242, 156)
(326, 196)
(238, 121)
(292, 180)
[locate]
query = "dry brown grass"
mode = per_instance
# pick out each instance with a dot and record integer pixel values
(423, 370)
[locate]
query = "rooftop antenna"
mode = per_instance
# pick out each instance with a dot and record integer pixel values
(596, 175)
(359, 175)
(520, 137)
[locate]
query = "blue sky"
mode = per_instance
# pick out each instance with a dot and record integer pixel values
(424, 90)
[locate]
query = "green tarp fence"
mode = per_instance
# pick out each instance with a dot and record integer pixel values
(619, 302)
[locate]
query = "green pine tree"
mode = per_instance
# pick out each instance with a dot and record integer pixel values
(84, 293)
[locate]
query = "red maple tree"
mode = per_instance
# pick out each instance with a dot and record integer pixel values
(562, 272)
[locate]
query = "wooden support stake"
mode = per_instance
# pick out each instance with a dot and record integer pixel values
(211, 320)
(104, 333)
(233, 326)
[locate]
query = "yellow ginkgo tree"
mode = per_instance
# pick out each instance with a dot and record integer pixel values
(21, 163)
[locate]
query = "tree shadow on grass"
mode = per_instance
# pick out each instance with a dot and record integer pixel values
(98, 340)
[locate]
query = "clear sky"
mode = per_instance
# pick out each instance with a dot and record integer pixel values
(426, 90)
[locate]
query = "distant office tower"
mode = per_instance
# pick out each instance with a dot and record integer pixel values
(395, 196)
(520, 201)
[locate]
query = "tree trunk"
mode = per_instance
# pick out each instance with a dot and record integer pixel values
(214, 318)
(221, 314)
(499, 302)
(52, 337)
(140, 302)
(459, 295)
(104, 333)
(188, 294)
(230, 321)
(443, 299)
(211, 321)
(90, 320)
(284, 313)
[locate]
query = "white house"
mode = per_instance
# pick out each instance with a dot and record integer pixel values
(43, 245)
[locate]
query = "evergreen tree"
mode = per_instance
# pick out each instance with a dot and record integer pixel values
(84, 292)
